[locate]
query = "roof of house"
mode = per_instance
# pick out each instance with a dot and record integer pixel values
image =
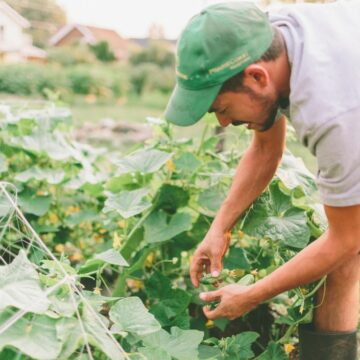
(8, 10)
(91, 34)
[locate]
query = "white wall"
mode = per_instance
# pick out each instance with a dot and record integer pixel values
(12, 39)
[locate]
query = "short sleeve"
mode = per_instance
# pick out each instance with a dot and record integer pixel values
(338, 154)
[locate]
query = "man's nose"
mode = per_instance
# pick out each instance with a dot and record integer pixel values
(223, 120)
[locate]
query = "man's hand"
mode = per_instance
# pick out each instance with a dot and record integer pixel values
(209, 254)
(234, 301)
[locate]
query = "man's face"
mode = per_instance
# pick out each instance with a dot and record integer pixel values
(254, 109)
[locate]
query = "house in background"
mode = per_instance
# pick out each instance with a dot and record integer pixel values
(91, 35)
(15, 44)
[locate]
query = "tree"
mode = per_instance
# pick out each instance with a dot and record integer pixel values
(45, 16)
(102, 51)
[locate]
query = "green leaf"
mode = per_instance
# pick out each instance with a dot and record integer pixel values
(19, 286)
(211, 199)
(187, 162)
(71, 334)
(143, 161)
(5, 206)
(130, 315)
(274, 351)
(152, 353)
(171, 198)
(119, 183)
(112, 257)
(81, 216)
(128, 203)
(52, 176)
(274, 217)
(173, 308)
(158, 230)
(293, 173)
(239, 346)
(209, 352)
(3, 163)
(180, 344)
(34, 204)
(99, 338)
(236, 258)
(33, 335)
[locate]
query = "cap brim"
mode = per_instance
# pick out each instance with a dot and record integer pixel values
(186, 107)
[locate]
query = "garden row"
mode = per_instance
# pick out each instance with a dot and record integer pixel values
(123, 228)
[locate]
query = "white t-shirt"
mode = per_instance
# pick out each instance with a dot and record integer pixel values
(323, 44)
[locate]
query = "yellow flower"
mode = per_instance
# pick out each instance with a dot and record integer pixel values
(149, 260)
(72, 210)
(304, 291)
(289, 348)
(53, 218)
(170, 165)
(76, 257)
(97, 238)
(97, 291)
(135, 284)
(116, 241)
(60, 248)
(102, 231)
(240, 234)
(210, 324)
(122, 224)
(82, 244)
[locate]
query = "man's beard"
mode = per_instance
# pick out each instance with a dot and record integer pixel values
(271, 107)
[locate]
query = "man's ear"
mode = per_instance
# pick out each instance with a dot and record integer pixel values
(257, 74)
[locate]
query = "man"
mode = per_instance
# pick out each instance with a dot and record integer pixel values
(247, 68)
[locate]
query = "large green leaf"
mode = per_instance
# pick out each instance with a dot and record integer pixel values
(293, 173)
(5, 206)
(3, 163)
(180, 344)
(158, 230)
(19, 286)
(128, 203)
(239, 347)
(171, 198)
(211, 199)
(130, 315)
(35, 336)
(34, 204)
(274, 351)
(71, 334)
(274, 217)
(143, 161)
(52, 176)
(40, 141)
(112, 257)
(187, 163)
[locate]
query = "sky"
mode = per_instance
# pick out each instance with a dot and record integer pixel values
(132, 18)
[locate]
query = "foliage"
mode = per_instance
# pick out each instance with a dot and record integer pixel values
(148, 77)
(107, 81)
(102, 51)
(71, 55)
(126, 226)
(157, 53)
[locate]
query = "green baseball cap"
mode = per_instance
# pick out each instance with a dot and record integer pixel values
(216, 44)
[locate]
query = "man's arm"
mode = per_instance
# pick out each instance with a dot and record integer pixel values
(340, 243)
(255, 170)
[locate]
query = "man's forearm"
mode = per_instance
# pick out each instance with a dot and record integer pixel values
(254, 172)
(312, 263)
